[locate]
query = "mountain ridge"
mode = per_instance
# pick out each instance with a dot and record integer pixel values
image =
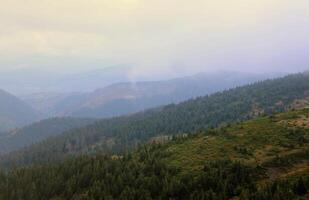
(130, 97)
(119, 134)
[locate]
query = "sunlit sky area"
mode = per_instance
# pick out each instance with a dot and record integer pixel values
(155, 35)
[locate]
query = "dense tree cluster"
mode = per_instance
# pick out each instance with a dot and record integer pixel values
(143, 176)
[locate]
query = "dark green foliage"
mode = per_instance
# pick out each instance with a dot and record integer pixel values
(145, 176)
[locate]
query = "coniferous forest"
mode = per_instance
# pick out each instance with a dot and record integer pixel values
(265, 158)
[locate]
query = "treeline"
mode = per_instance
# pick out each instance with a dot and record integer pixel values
(118, 135)
(144, 176)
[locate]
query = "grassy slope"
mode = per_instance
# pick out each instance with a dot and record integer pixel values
(262, 141)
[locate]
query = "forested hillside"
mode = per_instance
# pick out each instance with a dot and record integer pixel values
(122, 133)
(262, 159)
(19, 138)
(14, 112)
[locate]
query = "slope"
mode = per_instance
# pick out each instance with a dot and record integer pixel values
(265, 158)
(122, 133)
(264, 141)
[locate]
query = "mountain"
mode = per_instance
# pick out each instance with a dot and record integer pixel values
(14, 112)
(125, 98)
(123, 133)
(36, 132)
(266, 158)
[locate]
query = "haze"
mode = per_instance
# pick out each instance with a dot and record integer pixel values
(155, 37)
(154, 99)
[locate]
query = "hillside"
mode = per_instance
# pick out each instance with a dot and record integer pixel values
(266, 158)
(14, 112)
(123, 133)
(31, 134)
(127, 97)
(278, 140)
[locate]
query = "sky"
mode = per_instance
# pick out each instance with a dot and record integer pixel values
(155, 36)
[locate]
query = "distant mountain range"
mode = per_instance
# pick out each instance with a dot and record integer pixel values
(127, 97)
(14, 112)
(113, 100)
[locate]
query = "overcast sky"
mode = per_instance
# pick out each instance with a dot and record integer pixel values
(155, 36)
